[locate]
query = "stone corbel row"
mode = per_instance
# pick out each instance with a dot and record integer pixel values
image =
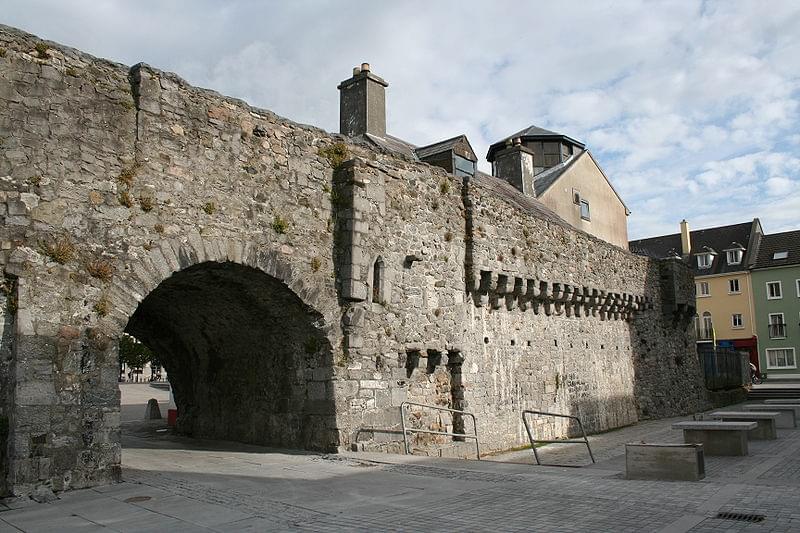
(496, 290)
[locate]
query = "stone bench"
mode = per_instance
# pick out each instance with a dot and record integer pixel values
(766, 421)
(788, 413)
(674, 462)
(717, 438)
(786, 401)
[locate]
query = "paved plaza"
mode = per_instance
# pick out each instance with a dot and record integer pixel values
(177, 484)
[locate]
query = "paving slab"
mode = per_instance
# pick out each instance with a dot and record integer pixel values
(177, 484)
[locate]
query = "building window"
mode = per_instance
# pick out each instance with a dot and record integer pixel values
(585, 210)
(704, 261)
(733, 286)
(736, 321)
(780, 358)
(463, 166)
(706, 331)
(780, 255)
(703, 288)
(377, 281)
(734, 257)
(797, 282)
(774, 290)
(776, 325)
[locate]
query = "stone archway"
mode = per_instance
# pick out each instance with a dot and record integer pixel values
(247, 331)
(245, 358)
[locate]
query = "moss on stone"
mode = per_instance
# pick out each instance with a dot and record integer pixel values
(42, 51)
(336, 154)
(280, 225)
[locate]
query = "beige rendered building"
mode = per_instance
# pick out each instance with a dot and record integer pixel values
(563, 175)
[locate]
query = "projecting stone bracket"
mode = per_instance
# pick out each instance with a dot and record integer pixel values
(496, 290)
(433, 355)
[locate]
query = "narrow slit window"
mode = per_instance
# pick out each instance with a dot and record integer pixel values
(377, 280)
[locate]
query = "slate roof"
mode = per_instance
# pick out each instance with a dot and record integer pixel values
(392, 145)
(712, 239)
(788, 241)
(543, 180)
(442, 146)
(498, 186)
(508, 192)
(532, 133)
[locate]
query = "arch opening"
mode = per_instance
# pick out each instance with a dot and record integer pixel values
(245, 356)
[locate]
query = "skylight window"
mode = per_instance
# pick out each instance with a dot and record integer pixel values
(780, 255)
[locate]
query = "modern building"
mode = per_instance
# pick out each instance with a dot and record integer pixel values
(563, 175)
(720, 259)
(776, 297)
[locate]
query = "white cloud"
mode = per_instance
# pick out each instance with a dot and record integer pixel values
(780, 186)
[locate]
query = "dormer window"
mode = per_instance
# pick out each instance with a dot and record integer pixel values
(704, 260)
(734, 256)
(463, 166)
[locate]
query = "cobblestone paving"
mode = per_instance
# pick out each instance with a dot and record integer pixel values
(183, 485)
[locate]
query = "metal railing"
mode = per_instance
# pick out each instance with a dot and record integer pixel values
(777, 331)
(705, 334)
(561, 441)
(407, 430)
(724, 368)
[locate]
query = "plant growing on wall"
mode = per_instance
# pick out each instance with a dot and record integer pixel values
(125, 199)
(127, 174)
(146, 203)
(60, 250)
(102, 307)
(99, 268)
(336, 154)
(41, 51)
(280, 225)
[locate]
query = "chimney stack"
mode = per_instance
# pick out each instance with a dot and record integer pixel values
(362, 103)
(514, 164)
(686, 241)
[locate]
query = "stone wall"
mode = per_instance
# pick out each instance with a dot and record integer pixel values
(298, 286)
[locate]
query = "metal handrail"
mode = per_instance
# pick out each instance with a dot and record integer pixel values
(563, 441)
(432, 432)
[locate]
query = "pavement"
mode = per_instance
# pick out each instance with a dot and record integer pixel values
(172, 483)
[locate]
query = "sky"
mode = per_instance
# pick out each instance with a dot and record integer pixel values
(690, 107)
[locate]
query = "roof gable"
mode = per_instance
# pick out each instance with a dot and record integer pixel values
(459, 145)
(705, 241)
(544, 180)
(532, 133)
(788, 241)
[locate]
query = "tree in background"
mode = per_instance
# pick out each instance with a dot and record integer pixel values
(133, 353)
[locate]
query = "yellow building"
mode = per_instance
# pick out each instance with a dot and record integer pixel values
(720, 258)
(724, 306)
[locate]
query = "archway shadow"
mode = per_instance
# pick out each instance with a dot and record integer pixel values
(246, 359)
